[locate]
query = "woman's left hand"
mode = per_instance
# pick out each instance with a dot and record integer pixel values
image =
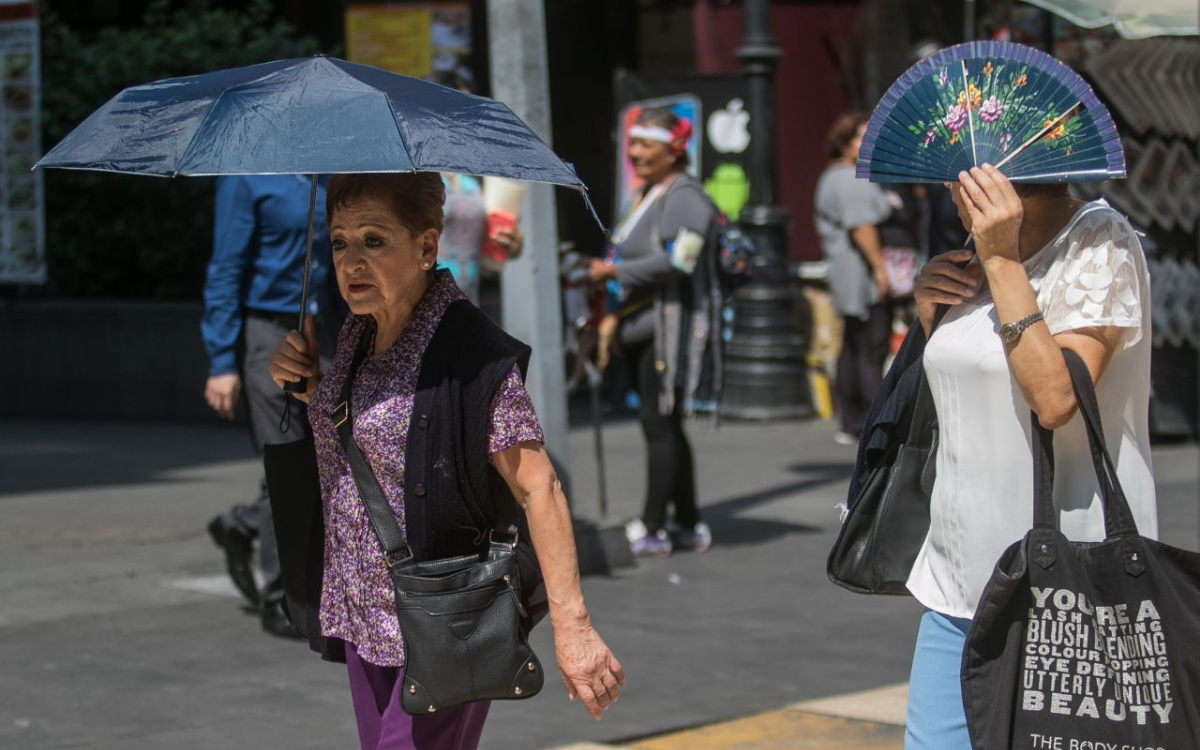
(600, 271)
(995, 210)
(512, 240)
(588, 668)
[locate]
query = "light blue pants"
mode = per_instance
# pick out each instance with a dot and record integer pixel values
(936, 719)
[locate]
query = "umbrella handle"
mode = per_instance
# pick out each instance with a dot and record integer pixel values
(301, 385)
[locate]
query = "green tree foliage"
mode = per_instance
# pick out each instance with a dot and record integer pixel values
(120, 236)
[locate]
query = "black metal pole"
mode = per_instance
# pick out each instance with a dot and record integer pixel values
(765, 373)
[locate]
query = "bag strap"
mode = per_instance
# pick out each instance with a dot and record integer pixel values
(379, 511)
(1118, 518)
(921, 411)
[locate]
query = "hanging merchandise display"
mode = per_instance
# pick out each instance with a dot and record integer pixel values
(1152, 83)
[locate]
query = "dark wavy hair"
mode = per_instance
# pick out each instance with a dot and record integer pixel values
(842, 131)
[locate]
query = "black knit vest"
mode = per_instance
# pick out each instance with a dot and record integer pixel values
(446, 464)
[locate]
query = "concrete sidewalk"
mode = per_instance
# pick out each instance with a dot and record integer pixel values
(118, 628)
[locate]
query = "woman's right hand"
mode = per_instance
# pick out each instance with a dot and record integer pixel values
(942, 282)
(295, 358)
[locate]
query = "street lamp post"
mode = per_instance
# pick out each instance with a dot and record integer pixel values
(765, 374)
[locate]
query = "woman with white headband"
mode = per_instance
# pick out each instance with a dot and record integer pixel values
(661, 260)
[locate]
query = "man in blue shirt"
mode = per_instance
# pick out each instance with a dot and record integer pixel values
(251, 301)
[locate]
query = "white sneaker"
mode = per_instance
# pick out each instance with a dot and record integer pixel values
(845, 438)
(697, 539)
(644, 544)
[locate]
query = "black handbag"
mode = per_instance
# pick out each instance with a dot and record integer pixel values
(1085, 644)
(461, 618)
(888, 520)
(294, 489)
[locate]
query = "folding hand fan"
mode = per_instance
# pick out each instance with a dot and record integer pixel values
(995, 103)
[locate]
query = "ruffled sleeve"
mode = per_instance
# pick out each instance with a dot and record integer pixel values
(1099, 281)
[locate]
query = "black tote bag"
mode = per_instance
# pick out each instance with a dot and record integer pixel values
(1085, 645)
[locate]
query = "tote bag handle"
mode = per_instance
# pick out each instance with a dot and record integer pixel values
(1118, 518)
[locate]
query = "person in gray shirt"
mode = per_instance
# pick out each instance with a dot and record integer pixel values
(847, 212)
(668, 307)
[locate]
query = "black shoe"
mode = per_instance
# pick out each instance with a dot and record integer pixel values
(275, 622)
(238, 550)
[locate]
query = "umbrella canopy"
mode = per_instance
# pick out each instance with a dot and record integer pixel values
(1133, 19)
(316, 115)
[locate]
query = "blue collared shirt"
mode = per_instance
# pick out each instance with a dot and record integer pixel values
(259, 230)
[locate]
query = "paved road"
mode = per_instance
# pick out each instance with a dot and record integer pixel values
(118, 629)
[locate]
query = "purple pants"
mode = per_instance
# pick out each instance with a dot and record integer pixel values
(383, 725)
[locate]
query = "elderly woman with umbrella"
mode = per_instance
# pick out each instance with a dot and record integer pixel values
(425, 395)
(384, 231)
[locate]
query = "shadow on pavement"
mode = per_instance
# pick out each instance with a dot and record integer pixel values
(45, 456)
(731, 530)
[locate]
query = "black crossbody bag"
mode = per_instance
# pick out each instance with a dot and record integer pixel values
(461, 618)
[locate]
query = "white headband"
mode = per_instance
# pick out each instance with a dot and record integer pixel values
(652, 133)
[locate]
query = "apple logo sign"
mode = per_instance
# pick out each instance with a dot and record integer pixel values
(727, 128)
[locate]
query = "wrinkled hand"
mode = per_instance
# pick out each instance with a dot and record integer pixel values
(511, 240)
(221, 392)
(296, 357)
(995, 210)
(942, 282)
(600, 271)
(588, 668)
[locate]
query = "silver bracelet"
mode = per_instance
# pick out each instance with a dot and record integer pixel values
(1010, 332)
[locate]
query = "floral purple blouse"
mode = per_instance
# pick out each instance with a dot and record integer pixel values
(357, 600)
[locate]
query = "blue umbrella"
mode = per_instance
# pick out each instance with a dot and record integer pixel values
(317, 115)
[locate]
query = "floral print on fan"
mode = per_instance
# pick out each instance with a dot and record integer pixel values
(992, 102)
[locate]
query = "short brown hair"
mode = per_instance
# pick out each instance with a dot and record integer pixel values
(842, 131)
(416, 198)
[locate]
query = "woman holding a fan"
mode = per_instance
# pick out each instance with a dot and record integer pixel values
(1048, 273)
(1006, 128)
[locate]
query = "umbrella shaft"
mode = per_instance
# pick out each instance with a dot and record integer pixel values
(308, 243)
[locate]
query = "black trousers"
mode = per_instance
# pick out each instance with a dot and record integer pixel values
(860, 365)
(265, 404)
(670, 469)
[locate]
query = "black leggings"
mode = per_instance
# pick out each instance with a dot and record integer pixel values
(670, 471)
(860, 365)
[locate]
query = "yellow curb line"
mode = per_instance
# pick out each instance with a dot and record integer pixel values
(866, 720)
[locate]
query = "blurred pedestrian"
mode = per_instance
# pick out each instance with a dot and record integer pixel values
(466, 219)
(385, 230)
(1048, 273)
(848, 212)
(667, 283)
(251, 297)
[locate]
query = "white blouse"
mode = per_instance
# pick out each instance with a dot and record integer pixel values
(1092, 274)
